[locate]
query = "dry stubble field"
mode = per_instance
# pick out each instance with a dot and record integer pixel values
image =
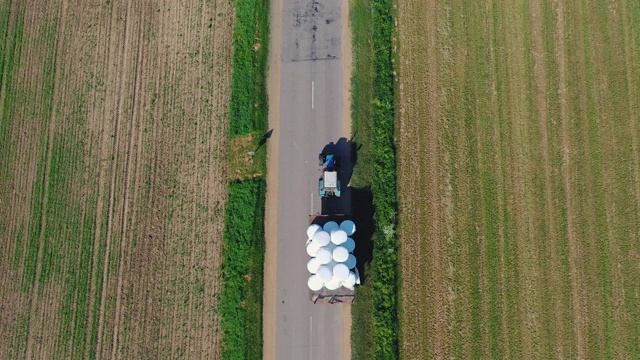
(519, 179)
(113, 125)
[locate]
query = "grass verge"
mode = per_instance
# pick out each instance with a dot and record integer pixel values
(375, 314)
(240, 303)
(241, 296)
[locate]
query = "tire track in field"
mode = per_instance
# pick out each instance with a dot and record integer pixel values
(577, 300)
(497, 159)
(589, 184)
(217, 190)
(113, 77)
(131, 213)
(631, 52)
(629, 299)
(127, 188)
(523, 171)
(173, 273)
(553, 276)
(616, 127)
(17, 191)
(143, 267)
(77, 94)
(609, 146)
(626, 301)
(193, 187)
(196, 194)
(97, 123)
(144, 258)
(15, 195)
(51, 117)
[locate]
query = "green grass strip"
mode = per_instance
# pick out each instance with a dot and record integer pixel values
(375, 319)
(240, 304)
(248, 107)
(384, 264)
(243, 257)
(360, 21)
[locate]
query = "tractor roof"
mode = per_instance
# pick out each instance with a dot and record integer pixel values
(330, 179)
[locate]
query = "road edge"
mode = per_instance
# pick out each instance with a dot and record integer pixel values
(269, 320)
(346, 69)
(346, 132)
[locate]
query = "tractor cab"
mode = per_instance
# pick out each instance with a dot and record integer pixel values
(329, 185)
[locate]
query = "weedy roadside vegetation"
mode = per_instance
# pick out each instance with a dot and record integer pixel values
(243, 255)
(375, 320)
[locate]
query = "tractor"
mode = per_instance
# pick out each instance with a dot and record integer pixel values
(329, 185)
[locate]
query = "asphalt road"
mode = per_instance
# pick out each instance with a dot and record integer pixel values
(310, 120)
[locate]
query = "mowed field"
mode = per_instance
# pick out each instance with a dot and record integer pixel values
(519, 179)
(113, 128)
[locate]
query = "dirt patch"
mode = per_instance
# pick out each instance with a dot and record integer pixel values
(241, 163)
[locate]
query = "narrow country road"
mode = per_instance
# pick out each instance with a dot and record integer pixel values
(306, 89)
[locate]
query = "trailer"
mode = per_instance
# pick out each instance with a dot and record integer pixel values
(343, 294)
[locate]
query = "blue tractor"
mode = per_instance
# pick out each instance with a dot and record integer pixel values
(329, 185)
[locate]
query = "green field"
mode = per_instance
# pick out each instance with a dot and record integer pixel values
(114, 121)
(519, 179)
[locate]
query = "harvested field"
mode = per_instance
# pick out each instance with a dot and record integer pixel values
(113, 130)
(519, 179)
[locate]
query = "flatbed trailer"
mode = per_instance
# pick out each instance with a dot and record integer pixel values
(341, 295)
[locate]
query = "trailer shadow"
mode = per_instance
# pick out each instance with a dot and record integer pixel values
(362, 203)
